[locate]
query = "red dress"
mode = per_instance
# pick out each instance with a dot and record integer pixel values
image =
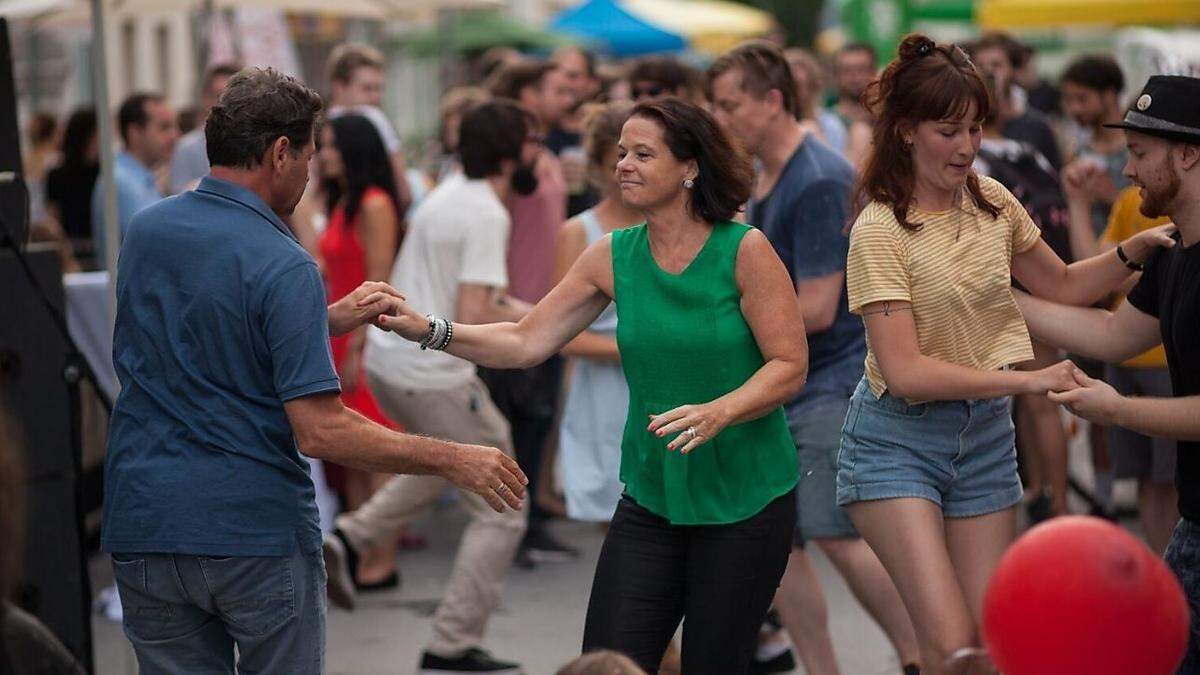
(345, 270)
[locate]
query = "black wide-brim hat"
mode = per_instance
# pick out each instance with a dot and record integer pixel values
(1168, 107)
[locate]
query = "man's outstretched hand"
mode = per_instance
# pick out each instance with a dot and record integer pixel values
(487, 472)
(364, 304)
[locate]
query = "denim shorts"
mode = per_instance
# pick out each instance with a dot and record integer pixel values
(958, 454)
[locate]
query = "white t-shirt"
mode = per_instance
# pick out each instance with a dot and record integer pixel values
(387, 133)
(457, 235)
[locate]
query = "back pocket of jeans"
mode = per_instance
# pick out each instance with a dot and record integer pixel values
(144, 615)
(255, 594)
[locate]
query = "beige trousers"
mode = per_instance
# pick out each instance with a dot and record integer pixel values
(465, 415)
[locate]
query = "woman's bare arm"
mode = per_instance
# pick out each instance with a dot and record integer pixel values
(567, 310)
(1083, 282)
(571, 243)
(909, 374)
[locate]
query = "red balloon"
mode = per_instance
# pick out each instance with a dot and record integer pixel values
(1079, 595)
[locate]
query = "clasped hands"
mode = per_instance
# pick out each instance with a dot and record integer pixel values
(380, 305)
(1064, 383)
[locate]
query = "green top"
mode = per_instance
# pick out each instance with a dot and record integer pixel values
(683, 340)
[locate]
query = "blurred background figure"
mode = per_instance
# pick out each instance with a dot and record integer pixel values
(356, 81)
(810, 92)
(1029, 175)
(1091, 97)
(146, 124)
(1000, 55)
(43, 136)
(69, 186)
(190, 162)
(854, 66)
(655, 76)
(359, 244)
(529, 398)
(454, 105)
(578, 67)
(597, 396)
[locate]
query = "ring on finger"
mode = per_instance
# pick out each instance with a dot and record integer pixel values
(691, 432)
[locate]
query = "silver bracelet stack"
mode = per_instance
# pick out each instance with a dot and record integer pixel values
(441, 331)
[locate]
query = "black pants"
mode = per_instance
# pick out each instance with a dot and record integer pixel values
(529, 400)
(720, 579)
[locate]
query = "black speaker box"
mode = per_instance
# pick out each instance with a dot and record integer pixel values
(33, 356)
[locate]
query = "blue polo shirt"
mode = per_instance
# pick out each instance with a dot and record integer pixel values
(220, 319)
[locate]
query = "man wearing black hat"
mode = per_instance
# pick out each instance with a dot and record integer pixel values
(1162, 131)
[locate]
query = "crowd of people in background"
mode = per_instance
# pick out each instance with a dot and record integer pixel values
(537, 168)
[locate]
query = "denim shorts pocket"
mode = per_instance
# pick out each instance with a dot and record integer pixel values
(144, 615)
(255, 594)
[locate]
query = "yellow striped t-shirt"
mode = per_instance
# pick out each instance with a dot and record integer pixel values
(955, 270)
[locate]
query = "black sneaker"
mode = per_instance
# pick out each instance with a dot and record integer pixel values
(474, 660)
(522, 560)
(783, 662)
(340, 563)
(773, 621)
(1039, 508)
(541, 546)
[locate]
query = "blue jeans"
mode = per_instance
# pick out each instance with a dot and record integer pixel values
(1183, 557)
(817, 432)
(185, 613)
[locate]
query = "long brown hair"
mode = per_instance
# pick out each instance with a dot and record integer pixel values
(926, 81)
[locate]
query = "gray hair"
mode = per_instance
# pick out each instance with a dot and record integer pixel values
(257, 107)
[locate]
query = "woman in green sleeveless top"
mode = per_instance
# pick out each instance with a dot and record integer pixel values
(712, 344)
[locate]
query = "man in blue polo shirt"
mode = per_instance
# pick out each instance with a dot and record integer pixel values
(222, 348)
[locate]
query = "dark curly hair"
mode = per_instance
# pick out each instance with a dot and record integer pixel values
(926, 81)
(725, 175)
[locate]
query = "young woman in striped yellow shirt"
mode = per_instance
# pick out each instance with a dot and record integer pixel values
(927, 468)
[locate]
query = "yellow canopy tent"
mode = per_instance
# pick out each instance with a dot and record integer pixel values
(710, 26)
(1048, 13)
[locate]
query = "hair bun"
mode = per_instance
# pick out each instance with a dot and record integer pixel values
(915, 46)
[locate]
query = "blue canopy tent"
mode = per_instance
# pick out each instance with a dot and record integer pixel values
(615, 31)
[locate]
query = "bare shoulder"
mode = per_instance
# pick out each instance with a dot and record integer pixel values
(572, 232)
(377, 204)
(755, 248)
(599, 253)
(595, 264)
(757, 261)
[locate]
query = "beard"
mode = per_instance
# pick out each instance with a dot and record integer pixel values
(524, 181)
(1158, 201)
